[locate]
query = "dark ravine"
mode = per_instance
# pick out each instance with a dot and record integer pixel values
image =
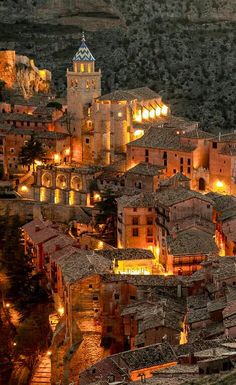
(185, 48)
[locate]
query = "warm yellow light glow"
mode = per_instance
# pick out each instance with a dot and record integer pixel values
(120, 114)
(14, 343)
(219, 184)
(42, 74)
(81, 67)
(72, 198)
(24, 188)
(57, 196)
(56, 158)
(164, 110)
(100, 245)
(49, 353)
(7, 305)
(138, 133)
(152, 114)
(42, 194)
(132, 271)
(97, 197)
(61, 311)
(145, 114)
(138, 116)
(67, 151)
(38, 162)
(158, 111)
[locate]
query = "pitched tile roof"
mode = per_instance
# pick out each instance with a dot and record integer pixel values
(146, 169)
(81, 264)
(40, 231)
(197, 134)
(222, 202)
(191, 242)
(162, 138)
(57, 243)
(143, 93)
(83, 53)
(166, 197)
(126, 254)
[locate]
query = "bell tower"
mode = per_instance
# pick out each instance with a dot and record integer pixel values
(83, 86)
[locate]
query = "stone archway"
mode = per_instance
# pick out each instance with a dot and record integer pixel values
(76, 183)
(47, 180)
(201, 184)
(61, 181)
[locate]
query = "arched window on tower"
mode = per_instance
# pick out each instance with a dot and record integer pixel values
(89, 68)
(82, 67)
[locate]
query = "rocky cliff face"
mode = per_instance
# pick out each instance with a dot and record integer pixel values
(20, 74)
(183, 47)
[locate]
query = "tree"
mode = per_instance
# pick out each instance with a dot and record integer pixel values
(106, 219)
(31, 152)
(56, 105)
(68, 119)
(2, 87)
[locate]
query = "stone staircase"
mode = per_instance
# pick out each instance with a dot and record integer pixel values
(42, 374)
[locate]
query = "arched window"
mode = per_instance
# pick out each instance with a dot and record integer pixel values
(202, 184)
(87, 84)
(82, 67)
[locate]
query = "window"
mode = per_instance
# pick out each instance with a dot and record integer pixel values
(220, 169)
(149, 221)
(165, 162)
(90, 286)
(135, 220)
(149, 209)
(139, 185)
(146, 152)
(117, 296)
(87, 140)
(132, 297)
(149, 232)
(120, 114)
(135, 232)
(147, 159)
(181, 160)
(28, 124)
(134, 209)
(214, 145)
(12, 150)
(174, 171)
(189, 161)
(188, 170)
(164, 155)
(181, 168)
(95, 298)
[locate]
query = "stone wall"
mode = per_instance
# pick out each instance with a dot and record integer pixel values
(27, 209)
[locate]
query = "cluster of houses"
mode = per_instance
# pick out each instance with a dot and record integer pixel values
(108, 320)
(161, 306)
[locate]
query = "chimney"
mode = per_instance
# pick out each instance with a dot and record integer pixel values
(219, 136)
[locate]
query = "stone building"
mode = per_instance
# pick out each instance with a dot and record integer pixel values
(83, 86)
(165, 220)
(65, 185)
(222, 164)
(174, 148)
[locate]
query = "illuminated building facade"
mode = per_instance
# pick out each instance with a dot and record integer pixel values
(222, 164)
(83, 87)
(65, 185)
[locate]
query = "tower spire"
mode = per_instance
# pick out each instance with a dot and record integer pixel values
(83, 37)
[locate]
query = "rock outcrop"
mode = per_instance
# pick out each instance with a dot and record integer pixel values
(20, 74)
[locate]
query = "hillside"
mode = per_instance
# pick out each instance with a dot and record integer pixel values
(184, 48)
